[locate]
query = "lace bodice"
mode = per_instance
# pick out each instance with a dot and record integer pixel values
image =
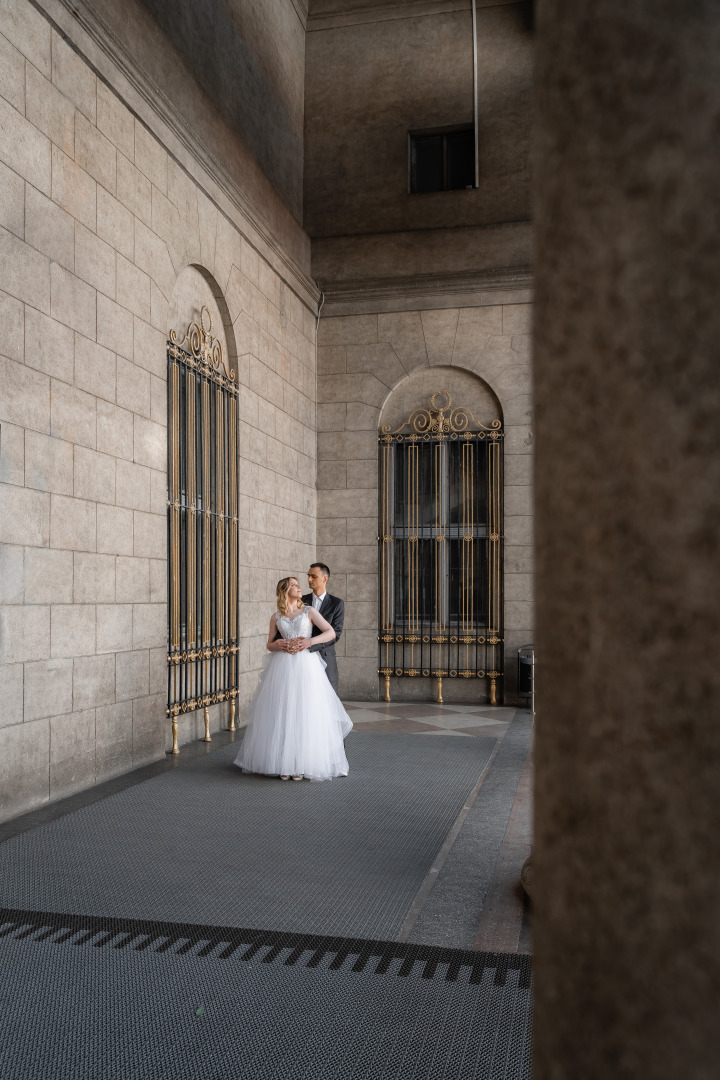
(299, 626)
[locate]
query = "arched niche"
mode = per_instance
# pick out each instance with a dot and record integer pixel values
(194, 289)
(440, 530)
(465, 388)
(203, 547)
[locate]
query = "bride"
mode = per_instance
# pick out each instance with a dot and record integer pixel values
(297, 722)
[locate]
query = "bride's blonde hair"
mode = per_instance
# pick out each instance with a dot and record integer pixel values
(283, 600)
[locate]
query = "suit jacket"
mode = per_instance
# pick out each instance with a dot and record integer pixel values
(332, 609)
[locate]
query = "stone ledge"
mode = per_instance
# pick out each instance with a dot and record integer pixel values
(458, 289)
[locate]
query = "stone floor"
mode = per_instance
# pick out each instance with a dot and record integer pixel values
(505, 922)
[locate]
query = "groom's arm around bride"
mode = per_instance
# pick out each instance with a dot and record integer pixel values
(331, 608)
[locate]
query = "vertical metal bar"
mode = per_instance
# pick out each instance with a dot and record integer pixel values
(209, 577)
(173, 522)
(174, 506)
(233, 510)
(468, 544)
(494, 583)
(206, 566)
(175, 526)
(490, 556)
(190, 384)
(414, 499)
(168, 543)
(387, 557)
(219, 525)
(212, 579)
(226, 541)
(440, 527)
(441, 455)
(478, 554)
(233, 556)
(466, 550)
(226, 533)
(182, 555)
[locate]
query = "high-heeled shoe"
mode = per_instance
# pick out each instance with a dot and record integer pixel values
(297, 777)
(284, 777)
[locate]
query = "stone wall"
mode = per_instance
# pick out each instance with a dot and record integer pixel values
(102, 209)
(361, 360)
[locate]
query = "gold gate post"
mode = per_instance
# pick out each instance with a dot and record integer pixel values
(439, 697)
(206, 718)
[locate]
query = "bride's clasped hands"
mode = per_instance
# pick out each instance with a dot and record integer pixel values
(295, 607)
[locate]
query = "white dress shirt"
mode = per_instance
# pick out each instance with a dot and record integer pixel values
(317, 601)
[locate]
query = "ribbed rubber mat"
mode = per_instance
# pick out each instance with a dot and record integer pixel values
(94, 1004)
(209, 844)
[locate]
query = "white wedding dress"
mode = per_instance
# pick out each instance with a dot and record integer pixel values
(297, 722)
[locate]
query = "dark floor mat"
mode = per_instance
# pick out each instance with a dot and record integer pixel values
(87, 1008)
(208, 844)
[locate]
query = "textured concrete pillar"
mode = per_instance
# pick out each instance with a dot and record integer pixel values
(627, 342)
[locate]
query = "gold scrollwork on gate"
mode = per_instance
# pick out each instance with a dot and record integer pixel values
(441, 420)
(203, 351)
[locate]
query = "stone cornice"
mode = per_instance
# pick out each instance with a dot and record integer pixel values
(301, 9)
(188, 152)
(463, 289)
(327, 14)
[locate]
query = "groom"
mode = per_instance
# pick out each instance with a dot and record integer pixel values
(331, 608)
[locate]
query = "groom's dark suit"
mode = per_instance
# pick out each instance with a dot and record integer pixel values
(333, 610)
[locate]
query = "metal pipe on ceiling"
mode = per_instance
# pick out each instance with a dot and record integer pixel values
(475, 94)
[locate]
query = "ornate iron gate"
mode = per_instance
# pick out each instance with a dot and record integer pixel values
(202, 526)
(441, 547)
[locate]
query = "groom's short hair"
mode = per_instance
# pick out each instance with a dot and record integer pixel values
(321, 567)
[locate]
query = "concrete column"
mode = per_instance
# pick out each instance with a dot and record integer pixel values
(627, 342)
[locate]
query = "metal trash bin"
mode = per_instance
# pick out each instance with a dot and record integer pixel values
(526, 674)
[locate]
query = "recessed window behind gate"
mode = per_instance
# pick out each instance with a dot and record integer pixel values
(442, 161)
(202, 526)
(441, 609)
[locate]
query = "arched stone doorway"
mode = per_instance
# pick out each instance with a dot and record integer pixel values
(202, 507)
(441, 538)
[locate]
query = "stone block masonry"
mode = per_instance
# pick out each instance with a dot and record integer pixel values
(98, 220)
(362, 359)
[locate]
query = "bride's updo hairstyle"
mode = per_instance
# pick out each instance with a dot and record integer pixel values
(283, 599)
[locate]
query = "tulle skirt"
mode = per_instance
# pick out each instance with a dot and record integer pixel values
(297, 722)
